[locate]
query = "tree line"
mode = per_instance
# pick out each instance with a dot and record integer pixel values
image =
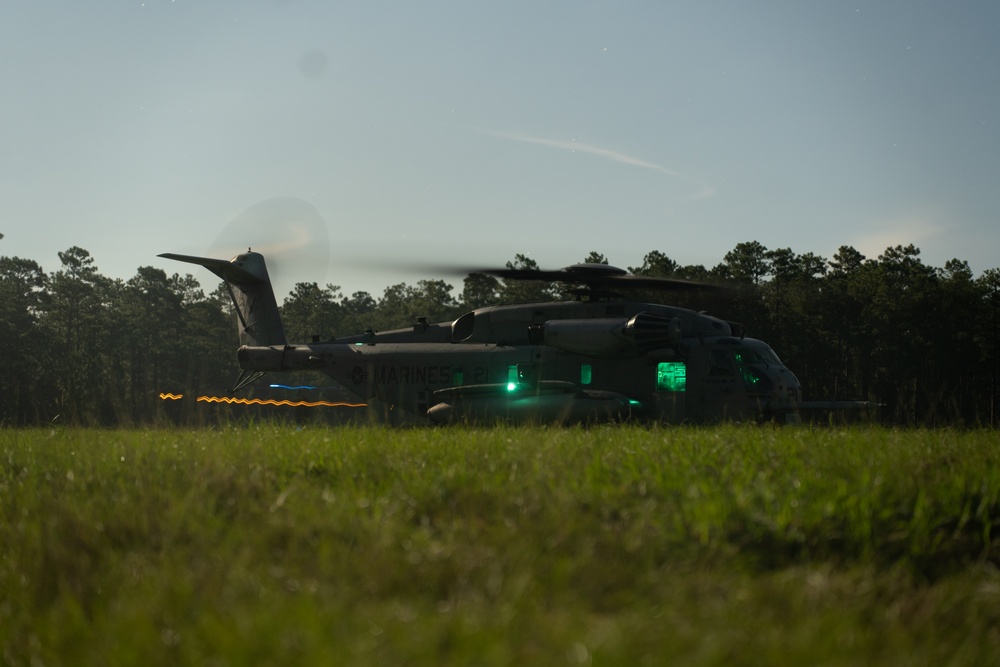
(82, 348)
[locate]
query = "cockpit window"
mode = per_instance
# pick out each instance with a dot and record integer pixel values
(764, 355)
(751, 357)
(760, 356)
(745, 360)
(748, 362)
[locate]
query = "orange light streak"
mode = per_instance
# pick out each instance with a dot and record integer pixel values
(172, 397)
(270, 401)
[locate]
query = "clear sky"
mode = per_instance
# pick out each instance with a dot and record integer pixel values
(342, 137)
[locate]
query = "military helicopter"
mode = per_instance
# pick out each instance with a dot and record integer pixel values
(597, 358)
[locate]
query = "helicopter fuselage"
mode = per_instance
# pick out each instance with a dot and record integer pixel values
(563, 361)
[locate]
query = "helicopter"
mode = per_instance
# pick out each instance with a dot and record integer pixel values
(593, 359)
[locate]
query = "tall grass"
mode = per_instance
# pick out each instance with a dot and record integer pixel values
(728, 545)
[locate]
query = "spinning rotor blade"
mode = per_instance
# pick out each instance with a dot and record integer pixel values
(288, 231)
(600, 277)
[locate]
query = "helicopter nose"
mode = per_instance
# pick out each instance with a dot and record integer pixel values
(786, 386)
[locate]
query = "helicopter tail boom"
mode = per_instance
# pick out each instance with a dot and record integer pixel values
(250, 289)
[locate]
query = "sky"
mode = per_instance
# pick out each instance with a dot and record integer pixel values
(355, 142)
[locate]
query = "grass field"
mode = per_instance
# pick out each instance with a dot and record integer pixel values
(632, 546)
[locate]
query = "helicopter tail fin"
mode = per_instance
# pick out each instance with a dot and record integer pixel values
(250, 288)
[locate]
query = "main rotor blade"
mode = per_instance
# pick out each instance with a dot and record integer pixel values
(593, 276)
(611, 279)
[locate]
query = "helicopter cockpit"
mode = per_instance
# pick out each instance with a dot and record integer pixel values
(753, 364)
